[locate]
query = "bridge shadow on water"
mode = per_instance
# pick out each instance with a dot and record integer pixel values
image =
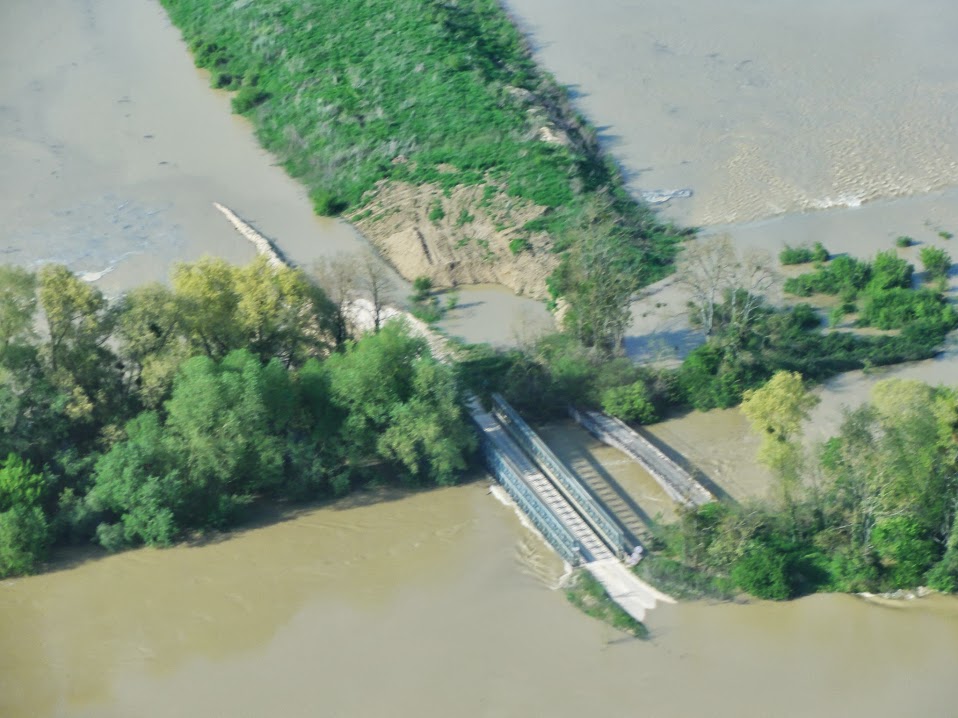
(694, 471)
(604, 487)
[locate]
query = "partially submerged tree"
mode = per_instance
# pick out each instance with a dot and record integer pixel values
(725, 289)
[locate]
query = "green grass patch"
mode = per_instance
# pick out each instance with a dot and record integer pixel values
(588, 595)
(347, 94)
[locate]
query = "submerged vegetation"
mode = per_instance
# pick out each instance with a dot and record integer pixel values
(351, 94)
(171, 409)
(746, 340)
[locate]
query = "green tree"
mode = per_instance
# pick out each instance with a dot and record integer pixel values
(228, 416)
(904, 548)
(630, 403)
(428, 434)
(151, 341)
(889, 271)
(18, 305)
(141, 488)
(80, 321)
(762, 572)
(207, 298)
(24, 538)
(19, 485)
(400, 404)
(777, 411)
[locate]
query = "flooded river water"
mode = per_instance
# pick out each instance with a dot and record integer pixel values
(434, 604)
(440, 603)
(763, 108)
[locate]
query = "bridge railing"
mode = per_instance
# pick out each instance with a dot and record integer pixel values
(542, 517)
(579, 495)
(678, 483)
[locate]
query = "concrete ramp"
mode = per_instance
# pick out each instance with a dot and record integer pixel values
(633, 594)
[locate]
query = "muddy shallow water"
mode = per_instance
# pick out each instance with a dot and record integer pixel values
(434, 604)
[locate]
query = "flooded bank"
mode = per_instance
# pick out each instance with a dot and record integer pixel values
(433, 604)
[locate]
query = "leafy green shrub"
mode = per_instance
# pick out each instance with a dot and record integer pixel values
(795, 255)
(819, 253)
(945, 235)
(436, 212)
(943, 576)
(889, 271)
(836, 315)
(248, 98)
(904, 548)
(224, 81)
(896, 308)
(422, 286)
(630, 403)
(24, 537)
(843, 273)
(904, 241)
(326, 203)
(518, 245)
(762, 572)
(464, 218)
(936, 262)
(19, 484)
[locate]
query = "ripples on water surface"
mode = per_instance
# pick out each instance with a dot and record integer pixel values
(763, 108)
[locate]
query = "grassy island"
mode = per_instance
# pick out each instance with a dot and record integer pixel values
(429, 125)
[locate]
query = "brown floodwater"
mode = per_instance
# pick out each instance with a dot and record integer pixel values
(762, 108)
(434, 604)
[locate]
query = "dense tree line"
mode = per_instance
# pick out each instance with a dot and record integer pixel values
(172, 408)
(873, 509)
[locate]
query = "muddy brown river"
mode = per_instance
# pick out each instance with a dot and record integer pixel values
(440, 603)
(435, 604)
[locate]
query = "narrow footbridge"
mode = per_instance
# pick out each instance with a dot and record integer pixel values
(678, 483)
(573, 521)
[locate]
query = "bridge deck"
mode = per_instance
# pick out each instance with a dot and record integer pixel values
(675, 480)
(594, 549)
(619, 504)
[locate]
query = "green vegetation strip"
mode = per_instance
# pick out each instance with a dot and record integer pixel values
(872, 510)
(588, 595)
(347, 94)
